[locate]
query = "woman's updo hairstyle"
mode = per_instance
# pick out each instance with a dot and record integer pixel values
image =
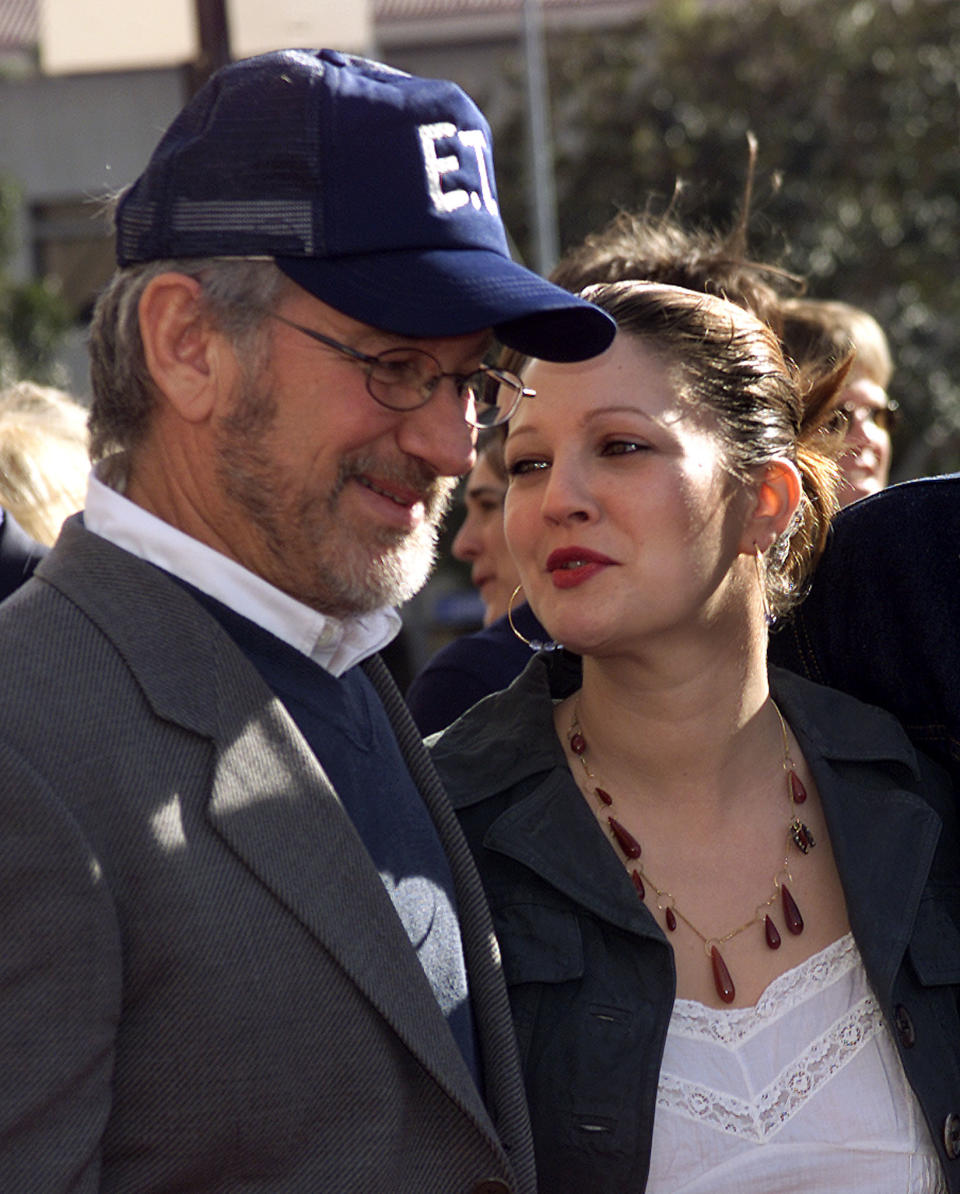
(724, 360)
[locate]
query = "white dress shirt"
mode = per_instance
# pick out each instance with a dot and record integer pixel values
(334, 643)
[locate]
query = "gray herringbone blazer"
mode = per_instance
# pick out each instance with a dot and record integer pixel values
(203, 983)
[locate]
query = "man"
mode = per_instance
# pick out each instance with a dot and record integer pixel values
(19, 554)
(244, 947)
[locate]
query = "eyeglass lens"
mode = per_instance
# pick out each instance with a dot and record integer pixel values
(405, 378)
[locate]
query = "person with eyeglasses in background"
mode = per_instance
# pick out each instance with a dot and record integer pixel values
(818, 331)
(244, 943)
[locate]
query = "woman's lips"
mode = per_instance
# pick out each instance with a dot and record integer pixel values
(572, 566)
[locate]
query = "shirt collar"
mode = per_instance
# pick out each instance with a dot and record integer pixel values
(335, 644)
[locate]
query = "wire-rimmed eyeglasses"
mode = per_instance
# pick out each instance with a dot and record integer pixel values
(406, 378)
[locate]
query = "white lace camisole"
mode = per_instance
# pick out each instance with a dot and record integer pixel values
(802, 1093)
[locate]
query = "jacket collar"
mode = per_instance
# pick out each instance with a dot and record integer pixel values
(866, 769)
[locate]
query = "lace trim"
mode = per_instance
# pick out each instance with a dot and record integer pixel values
(760, 1118)
(732, 1026)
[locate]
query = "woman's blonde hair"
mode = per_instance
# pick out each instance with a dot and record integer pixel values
(43, 457)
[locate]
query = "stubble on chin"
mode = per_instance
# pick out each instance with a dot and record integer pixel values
(306, 545)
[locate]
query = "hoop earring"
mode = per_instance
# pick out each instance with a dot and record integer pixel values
(761, 580)
(534, 644)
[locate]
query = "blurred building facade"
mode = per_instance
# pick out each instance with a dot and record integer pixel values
(87, 86)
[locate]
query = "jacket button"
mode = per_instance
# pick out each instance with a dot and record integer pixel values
(492, 1185)
(904, 1026)
(951, 1135)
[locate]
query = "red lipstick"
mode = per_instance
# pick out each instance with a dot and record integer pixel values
(572, 566)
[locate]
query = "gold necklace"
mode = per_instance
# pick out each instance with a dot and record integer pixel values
(798, 834)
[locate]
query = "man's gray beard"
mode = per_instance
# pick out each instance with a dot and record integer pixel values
(394, 575)
(397, 564)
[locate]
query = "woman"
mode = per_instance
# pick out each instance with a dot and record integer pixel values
(473, 665)
(480, 542)
(728, 918)
(817, 330)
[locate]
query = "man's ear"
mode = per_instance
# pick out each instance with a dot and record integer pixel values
(777, 496)
(181, 349)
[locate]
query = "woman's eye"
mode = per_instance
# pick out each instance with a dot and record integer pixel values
(623, 447)
(520, 468)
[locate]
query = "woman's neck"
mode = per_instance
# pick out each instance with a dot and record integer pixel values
(680, 734)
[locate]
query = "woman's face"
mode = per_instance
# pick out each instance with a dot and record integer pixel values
(481, 541)
(623, 522)
(865, 463)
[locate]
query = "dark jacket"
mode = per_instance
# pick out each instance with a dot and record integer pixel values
(882, 620)
(590, 972)
(471, 667)
(19, 554)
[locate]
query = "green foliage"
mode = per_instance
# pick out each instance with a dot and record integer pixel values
(33, 317)
(855, 106)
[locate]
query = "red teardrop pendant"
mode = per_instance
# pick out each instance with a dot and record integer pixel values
(603, 796)
(625, 840)
(578, 744)
(797, 790)
(638, 884)
(770, 931)
(721, 976)
(791, 913)
(671, 918)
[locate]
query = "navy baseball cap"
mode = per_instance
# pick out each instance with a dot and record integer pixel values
(371, 188)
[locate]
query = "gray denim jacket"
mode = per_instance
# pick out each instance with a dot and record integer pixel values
(589, 970)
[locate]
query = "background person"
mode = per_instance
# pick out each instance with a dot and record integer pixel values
(480, 541)
(686, 859)
(817, 332)
(44, 459)
(244, 945)
(882, 620)
(472, 665)
(19, 554)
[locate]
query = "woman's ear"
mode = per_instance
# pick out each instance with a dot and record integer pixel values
(776, 498)
(178, 344)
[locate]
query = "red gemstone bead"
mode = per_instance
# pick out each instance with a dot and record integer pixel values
(770, 929)
(671, 919)
(638, 884)
(578, 744)
(791, 913)
(797, 790)
(721, 977)
(625, 840)
(603, 797)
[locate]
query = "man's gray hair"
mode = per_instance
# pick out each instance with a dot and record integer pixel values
(237, 296)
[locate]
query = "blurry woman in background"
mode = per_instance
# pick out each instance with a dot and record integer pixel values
(816, 332)
(480, 542)
(43, 457)
(473, 665)
(724, 899)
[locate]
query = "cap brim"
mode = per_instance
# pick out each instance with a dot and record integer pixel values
(452, 292)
